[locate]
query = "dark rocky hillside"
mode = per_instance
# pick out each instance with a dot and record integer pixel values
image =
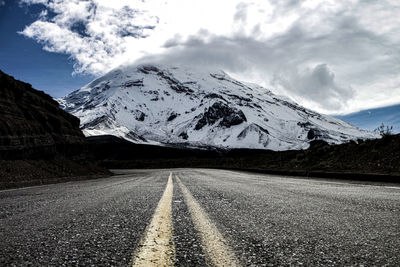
(377, 159)
(34, 128)
(32, 125)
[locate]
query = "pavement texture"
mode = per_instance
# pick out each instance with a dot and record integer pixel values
(265, 220)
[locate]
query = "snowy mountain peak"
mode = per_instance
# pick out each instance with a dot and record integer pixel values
(175, 105)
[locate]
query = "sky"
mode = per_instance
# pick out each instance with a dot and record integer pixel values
(333, 56)
(26, 60)
(370, 119)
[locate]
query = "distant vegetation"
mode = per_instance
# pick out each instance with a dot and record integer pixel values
(384, 130)
(360, 160)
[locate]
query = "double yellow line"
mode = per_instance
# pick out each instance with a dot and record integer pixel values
(157, 246)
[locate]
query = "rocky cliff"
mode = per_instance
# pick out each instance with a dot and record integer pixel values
(32, 125)
(39, 142)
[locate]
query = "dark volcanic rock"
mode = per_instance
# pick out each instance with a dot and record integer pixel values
(220, 111)
(173, 116)
(214, 96)
(314, 134)
(173, 83)
(146, 69)
(102, 119)
(184, 135)
(141, 116)
(134, 83)
(32, 125)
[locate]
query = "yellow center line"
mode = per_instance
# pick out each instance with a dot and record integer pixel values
(157, 246)
(214, 244)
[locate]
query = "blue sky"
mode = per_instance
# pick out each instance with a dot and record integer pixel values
(370, 119)
(25, 59)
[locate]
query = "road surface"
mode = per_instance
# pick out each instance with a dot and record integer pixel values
(200, 217)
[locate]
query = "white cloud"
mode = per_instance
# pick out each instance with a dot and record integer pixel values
(97, 34)
(317, 84)
(334, 56)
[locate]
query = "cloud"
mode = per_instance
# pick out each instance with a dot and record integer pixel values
(318, 84)
(334, 56)
(326, 71)
(95, 33)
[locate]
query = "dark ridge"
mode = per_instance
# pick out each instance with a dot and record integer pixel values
(214, 96)
(240, 98)
(375, 160)
(39, 142)
(134, 83)
(223, 78)
(299, 108)
(173, 83)
(95, 122)
(146, 69)
(108, 147)
(32, 125)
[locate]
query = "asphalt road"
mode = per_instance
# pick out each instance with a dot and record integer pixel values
(199, 217)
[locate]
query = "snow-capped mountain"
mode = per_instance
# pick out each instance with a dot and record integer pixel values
(158, 104)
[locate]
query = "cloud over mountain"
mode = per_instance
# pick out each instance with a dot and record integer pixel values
(327, 55)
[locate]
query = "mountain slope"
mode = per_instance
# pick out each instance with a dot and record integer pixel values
(180, 106)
